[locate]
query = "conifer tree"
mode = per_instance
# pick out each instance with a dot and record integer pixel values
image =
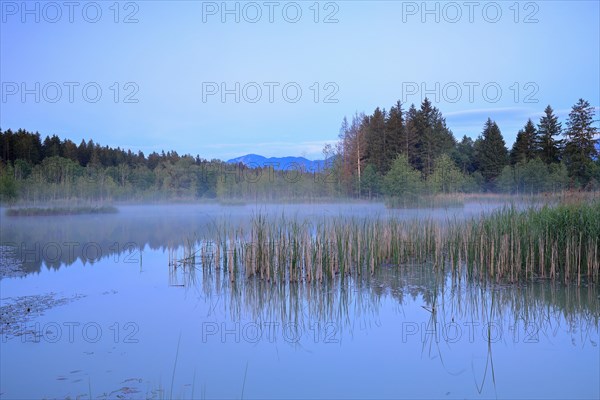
(490, 153)
(524, 148)
(548, 129)
(580, 149)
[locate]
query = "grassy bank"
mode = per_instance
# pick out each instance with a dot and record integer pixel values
(560, 243)
(55, 211)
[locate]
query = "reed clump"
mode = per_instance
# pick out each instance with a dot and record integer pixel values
(508, 245)
(59, 211)
(560, 242)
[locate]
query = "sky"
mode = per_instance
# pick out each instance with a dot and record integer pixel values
(276, 78)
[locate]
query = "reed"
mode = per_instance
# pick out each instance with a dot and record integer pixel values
(509, 245)
(558, 242)
(59, 211)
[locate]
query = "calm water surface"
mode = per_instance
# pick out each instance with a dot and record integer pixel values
(130, 326)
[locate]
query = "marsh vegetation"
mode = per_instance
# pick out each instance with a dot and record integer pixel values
(48, 211)
(508, 245)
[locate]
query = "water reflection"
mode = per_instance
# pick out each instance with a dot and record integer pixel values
(462, 326)
(451, 305)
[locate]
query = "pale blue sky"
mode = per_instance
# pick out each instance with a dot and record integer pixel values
(376, 53)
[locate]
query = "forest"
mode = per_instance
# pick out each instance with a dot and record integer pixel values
(396, 152)
(389, 154)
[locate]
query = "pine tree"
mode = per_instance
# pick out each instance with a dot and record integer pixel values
(490, 152)
(548, 129)
(524, 148)
(581, 142)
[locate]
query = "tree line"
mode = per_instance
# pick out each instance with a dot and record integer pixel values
(392, 154)
(413, 152)
(36, 170)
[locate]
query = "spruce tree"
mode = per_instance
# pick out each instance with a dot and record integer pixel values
(433, 138)
(524, 148)
(409, 145)
(376, 140)
(490, 153)
(395, 132)
(548, 129)
(464, 155)
(580, 149)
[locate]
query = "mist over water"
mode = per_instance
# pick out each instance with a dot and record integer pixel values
(54, 241)
(109, 317)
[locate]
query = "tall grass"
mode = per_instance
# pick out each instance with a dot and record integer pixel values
(508, 245)
(559, 242)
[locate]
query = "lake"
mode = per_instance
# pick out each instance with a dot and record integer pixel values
(93, 308)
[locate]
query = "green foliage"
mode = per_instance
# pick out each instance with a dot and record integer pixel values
(433, 138)
(371, 182)
(423, 138)
(8, 185)
(446, 177)
(58, 178)
(58, 169)
(403, 181)
(549, 128)
(464, 155)
(524, 148)
(533, 176)
(22, 169)
(377, 141)
(396, 153)
(419, 134)
(395, 134)
(490, 153)
(473, 183)
(558, 179)
(580, 149)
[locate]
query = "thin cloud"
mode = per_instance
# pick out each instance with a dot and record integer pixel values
(486, 111)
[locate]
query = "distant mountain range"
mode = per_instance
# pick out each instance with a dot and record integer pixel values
(279, 163)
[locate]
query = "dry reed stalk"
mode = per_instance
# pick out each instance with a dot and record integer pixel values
(542, 259)
(491, 260)
(553, 260)
(568, 259)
